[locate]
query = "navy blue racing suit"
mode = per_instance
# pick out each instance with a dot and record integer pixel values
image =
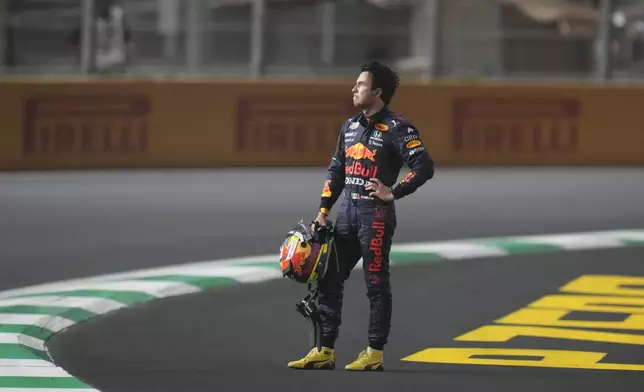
(367, 148)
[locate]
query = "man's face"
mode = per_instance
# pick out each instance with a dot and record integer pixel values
(363, 96)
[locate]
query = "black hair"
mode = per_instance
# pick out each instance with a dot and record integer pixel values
(384, 78)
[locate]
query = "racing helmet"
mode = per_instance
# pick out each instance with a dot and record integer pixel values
(304, 254)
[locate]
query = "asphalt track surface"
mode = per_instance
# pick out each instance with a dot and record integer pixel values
(69, 225)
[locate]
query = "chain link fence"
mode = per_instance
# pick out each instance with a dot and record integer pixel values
(434, 39)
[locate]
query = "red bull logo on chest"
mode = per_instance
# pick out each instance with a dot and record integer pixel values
(359, 152)
(358, 169)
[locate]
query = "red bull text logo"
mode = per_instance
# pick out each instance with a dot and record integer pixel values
(359, 152)
(358, 169)
(376, 246)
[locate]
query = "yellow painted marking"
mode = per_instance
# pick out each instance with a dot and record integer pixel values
(606, 284)
(541, 318)
(591, 303)
(543, 358)
(503, 333)
(552, 318)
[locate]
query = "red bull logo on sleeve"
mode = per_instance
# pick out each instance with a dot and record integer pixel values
(359, 152)
(408, 177)
(326, 191)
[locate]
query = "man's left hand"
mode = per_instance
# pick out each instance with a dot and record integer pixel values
(379, 190)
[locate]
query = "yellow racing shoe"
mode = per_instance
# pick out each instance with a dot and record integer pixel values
(318, 360)
(368, 360)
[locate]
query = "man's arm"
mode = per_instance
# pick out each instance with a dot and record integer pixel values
(412, 149)
(334, 182)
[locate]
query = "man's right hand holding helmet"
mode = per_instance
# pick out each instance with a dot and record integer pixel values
(320, 219)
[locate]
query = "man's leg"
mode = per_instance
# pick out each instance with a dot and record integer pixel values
(378, 224)
(376, 240)
(347, 248)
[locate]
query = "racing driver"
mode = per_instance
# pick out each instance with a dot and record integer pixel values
(371, 150)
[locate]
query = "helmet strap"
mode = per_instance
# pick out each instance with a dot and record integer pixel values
(308, 308)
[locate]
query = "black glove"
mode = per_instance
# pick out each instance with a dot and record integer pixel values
(322, 233)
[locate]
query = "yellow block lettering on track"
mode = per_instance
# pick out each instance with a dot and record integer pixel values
(538, 358)
(606, 285)
(553, 318)
(591, 303)
(504, 333)
(547, 318)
